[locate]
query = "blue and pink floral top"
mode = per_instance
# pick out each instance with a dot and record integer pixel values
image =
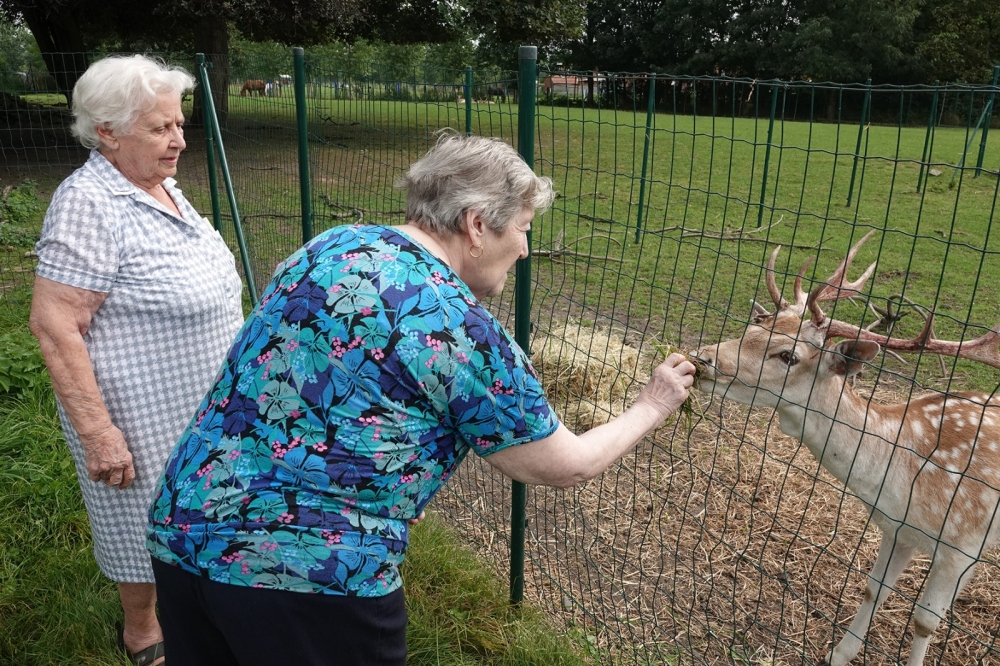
(353, 390)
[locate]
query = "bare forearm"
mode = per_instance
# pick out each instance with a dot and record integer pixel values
(563, 459)
(74, 382)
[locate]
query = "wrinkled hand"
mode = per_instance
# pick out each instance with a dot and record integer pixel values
(108, 458)
(670, 384)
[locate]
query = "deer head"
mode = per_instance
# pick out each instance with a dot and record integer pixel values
(785, 356)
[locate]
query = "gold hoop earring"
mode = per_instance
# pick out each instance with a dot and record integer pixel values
(478, 247)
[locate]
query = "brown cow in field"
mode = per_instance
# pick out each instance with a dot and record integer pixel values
(251, 86)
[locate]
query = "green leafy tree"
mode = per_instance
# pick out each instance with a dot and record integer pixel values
(960, 39)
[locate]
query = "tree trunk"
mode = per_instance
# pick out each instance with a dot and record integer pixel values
(58, 37)
(211, 37)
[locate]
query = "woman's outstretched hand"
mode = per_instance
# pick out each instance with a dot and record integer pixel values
(670, 385)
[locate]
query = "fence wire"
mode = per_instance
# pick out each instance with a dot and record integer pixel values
(720, 539)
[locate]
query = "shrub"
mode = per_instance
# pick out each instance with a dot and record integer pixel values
(21, 363)
(19, 210)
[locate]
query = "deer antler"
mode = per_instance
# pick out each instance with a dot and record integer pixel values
(836, 287)
(800, 296)
(985, 348)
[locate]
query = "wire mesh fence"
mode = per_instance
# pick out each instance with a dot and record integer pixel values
(720, 539)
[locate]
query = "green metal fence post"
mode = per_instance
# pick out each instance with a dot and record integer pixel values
(527, 77)
(213, 178)
(302, 118)
(767, 155)
(212, 123)
(650, 107)
(989, 118)
(927, 138)
(861, 132)
(468, 99)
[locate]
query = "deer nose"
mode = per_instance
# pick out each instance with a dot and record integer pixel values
(706, 355)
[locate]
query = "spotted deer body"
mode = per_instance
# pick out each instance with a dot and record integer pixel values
(927, 470)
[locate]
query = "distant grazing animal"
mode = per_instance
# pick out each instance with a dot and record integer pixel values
(251, 86)
(493, 92)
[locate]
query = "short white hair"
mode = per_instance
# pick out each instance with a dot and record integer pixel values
(463, 173)
(115, 91)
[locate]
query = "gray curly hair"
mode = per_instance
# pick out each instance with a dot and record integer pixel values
(462, 173)
(115, 91)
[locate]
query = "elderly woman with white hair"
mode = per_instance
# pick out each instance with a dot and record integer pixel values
(136, 301)
(367, 372)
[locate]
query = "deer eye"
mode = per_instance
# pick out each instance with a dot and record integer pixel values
(788, 358)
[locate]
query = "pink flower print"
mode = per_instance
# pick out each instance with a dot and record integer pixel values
(461, 357)
(378, 455)
(378, 353)
(497, 388)
(320, 447)
(235, 557)
(262, 398)
(286, 518)
(224, 402)
(204, 507)
(245, 500)
(377, 435)
(244, 568)
(269, 546)
(430, 362)
(433, 344)
(366, 311)
(168, 520)
(292, 286)
(295, 413)
(436, 278)
(335, 288)
(184, 528)
(292, 345)
(205, 469)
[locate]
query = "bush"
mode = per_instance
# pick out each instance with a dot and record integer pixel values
(19, 210)
(21, 364)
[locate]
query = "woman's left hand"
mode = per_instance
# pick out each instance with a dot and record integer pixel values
(414, 521)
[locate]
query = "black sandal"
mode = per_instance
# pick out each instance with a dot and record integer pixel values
(142, 657)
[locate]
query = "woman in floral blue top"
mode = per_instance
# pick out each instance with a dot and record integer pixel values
(364, 376)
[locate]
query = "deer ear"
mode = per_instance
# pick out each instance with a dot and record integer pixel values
(757, 312)
(848, 357)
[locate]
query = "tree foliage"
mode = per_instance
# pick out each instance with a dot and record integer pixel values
(891, 41)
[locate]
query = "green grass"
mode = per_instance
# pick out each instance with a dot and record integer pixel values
(57, 608)
(705, 178)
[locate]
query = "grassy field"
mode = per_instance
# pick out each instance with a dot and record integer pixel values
(674, 251)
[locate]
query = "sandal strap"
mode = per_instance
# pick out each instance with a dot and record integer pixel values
(147, 655)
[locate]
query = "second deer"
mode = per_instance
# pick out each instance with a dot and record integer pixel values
(927, 470)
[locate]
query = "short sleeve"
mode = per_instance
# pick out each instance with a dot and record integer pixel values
(78, 245)
(499, 402)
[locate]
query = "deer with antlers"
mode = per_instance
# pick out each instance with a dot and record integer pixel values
(927, 470)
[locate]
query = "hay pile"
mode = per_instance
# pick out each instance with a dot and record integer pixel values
(588, 373)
